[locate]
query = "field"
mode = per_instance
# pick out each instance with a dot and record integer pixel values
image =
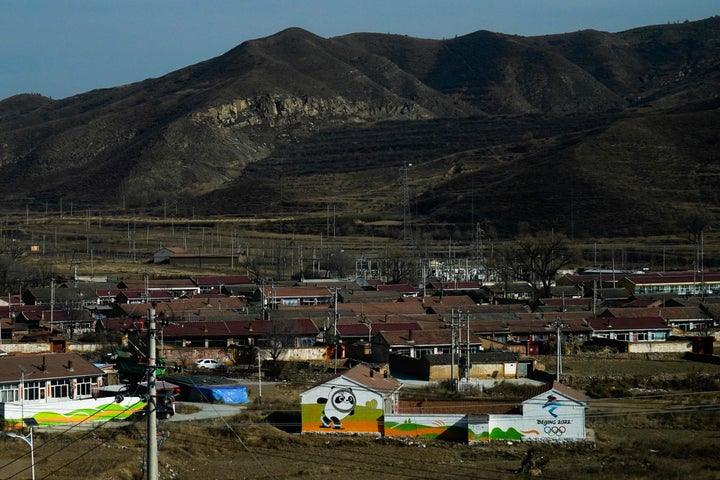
(120, 244)
(639, 433)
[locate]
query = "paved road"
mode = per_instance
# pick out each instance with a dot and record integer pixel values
(208, 411)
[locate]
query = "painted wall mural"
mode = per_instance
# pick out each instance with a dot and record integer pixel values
(548, 416)
(70, 411)
(443, 427)
(341, 407)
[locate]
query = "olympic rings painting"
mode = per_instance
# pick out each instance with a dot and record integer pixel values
(554, 431)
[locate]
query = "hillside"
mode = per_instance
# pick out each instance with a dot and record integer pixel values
(587, 133)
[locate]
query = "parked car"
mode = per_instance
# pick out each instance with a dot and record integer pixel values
(164, 409)
(207, 363)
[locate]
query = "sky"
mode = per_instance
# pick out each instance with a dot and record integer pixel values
(60, 48)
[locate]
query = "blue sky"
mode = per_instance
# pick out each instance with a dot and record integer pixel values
(63, 47)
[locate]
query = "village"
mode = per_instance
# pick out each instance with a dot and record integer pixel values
(65, 347)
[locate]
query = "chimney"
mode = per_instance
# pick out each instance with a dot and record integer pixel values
(409, 334)
(372, 373)
(70, 365)
(44, 364)
(385, 373)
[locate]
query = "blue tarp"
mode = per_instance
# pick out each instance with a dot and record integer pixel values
(219, 393)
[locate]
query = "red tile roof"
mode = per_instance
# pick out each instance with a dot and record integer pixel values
(608, 324)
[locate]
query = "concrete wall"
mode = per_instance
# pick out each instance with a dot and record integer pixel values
(660, 347)
(26, 347)
(444, 427)
(304, 354)
(484, 370)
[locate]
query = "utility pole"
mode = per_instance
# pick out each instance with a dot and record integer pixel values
(452, 345)
(152, 448)
(335, 330)
(558, 324)
(467, 360)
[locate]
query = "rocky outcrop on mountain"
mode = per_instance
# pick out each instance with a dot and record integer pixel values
(278, 110)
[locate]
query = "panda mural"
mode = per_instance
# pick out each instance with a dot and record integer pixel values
(339, 404)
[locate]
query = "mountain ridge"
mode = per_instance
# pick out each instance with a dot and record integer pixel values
(296, 103)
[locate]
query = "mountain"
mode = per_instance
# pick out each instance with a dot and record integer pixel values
(586, 132)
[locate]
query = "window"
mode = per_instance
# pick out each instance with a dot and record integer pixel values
(59, 389)
(32, 390)
(84, 387)
(8, 393)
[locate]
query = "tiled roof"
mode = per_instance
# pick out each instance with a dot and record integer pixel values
(371, 379)
(608, 324)
(400, 288)
(383, 308)
(56, 365)
(295, 292)
(360, 329)
(226, 280)
(555, 385)
(456, 285)
(670, 313)
(673, 278)
(240, 328)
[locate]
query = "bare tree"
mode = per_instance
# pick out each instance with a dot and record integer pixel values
(399, 266)
(279, 338)
(256, 268)
(537, 259)
(696, 223)
(341, 263)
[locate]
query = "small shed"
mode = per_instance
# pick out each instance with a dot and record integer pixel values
(555, 412)
(353, 401)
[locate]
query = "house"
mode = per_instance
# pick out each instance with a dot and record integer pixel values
(438, 288)
(686, 319)
(564, 304)
(401, 289)
(276, 296)
(177, 287)
(137, 295)
(221, 283)
(673, 283)
(57, 388)
(630, 329)
(588, 281)
(359, 295)
(510, 292)
(483, 365)
(64, 297)
(415, 343)
(164, 254)
(286, 333)
(352, 401)
(350, 332)
(534, 332)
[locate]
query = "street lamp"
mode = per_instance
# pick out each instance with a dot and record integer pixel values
(30, 423)
(368, 324)
(557, 324)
